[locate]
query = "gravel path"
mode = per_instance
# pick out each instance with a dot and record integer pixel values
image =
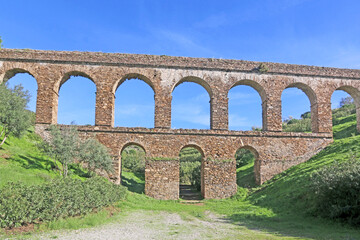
(156, 225)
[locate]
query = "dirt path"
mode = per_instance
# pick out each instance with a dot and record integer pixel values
(161, 225)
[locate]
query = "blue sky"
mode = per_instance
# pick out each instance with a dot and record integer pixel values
(311, 32)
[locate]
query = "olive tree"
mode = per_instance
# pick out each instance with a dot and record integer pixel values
(65, 146)
(96, 156)
(14, 118)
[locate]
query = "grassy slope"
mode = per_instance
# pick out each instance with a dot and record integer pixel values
(21, 160)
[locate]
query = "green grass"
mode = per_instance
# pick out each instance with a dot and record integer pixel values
(21, 160)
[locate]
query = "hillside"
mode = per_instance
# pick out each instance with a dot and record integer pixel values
(21, 160)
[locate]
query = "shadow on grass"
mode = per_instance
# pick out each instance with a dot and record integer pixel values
(132, 185)
(295, 225)
(32, 162)
(246, 178)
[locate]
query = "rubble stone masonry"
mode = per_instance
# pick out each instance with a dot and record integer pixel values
(275, 150)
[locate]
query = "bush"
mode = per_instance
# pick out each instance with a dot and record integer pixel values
(190, 167)
(336, 190)
(297, 125)
(133, 159)
(190, 173)
(243, 157)
(21, 204)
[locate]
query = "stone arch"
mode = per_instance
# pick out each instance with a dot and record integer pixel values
(256, 161)
(311, 94)
(69, 74)
(13, 71)
(139, 76)
(355, 94)
(255, 85)
(131, 143)
(197, 80)
(197, 147)
(260, 90)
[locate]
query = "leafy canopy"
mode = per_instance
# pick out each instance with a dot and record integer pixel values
(14, 118)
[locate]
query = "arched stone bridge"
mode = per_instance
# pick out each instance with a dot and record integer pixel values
(275, 150)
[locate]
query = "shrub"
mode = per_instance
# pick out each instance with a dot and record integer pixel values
(336, 190)
(190, 173)
(21, 204)
(243, 157)
(190, 167)
(133, 159)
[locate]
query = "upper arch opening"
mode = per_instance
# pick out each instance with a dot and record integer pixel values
(299, 109)
(27, 81)
(76, 108)
(134, 102)
(190, 106)
(245, 100)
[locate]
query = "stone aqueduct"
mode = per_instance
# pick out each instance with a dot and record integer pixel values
(275, 150)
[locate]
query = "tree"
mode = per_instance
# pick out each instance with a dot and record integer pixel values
(96, 156)
(0, 42)
(346, 101)
(63, 146)
(14, 118)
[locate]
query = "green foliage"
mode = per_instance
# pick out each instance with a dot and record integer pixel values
(297, 125)
(96, 156)
(336, 190)
(346, 101)
(190, 167)
(0, 43)
(344, 111)
(243, 157)
(133, 159)
(263, 68)
(21, 204)
(63, 145)
(14, 118)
